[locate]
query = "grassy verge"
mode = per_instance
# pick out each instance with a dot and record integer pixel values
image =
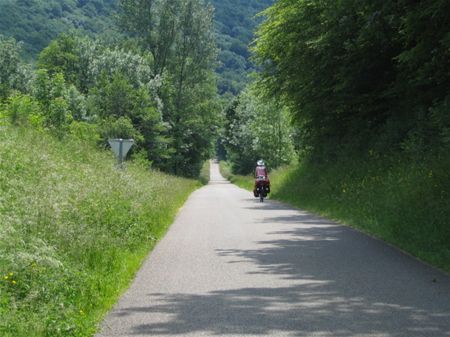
(73, 231)
(246, 182)
(204, 173)
(402, 202)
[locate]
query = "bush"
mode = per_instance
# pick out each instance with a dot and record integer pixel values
(58, 116)
(22, 109)
(121, 127)
(85, 131)
(204, 173)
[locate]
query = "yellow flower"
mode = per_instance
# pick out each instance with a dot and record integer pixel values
(13, 282)
(11, 274)
(6, 277)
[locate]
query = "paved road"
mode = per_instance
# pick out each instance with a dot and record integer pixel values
(230, 266)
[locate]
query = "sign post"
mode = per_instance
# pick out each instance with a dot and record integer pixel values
(121, 147)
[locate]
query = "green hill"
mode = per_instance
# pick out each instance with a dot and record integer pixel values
(37, 22)
(235, 24)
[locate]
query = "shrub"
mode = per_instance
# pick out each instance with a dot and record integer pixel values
(22, 109)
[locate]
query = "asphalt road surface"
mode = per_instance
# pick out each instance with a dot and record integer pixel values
(232, 266)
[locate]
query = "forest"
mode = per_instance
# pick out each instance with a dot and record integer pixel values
(361, 76)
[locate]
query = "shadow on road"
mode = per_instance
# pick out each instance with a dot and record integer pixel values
(339, 283)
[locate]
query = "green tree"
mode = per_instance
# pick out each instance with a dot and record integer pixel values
(125, 111)
(358, 75)
(14, 75)
(22, 110)
(257, 127)
(50, 91)
(61, 56)
(180, 36)
(153, 24)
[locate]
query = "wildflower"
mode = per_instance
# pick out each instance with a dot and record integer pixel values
(11, 274)
(13, 282)
(6, 277)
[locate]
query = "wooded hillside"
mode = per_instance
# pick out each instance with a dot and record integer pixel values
(37, 22)
(235, 23)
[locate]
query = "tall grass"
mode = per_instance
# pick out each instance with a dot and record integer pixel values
(402, 201)
(204, 173)
(73, 231)
(246, 182)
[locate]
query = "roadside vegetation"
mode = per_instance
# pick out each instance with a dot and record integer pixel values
(204, 173)
(73, 230)
(226, 171)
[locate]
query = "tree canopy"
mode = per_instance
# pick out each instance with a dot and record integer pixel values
(360, 75)
(36, 23)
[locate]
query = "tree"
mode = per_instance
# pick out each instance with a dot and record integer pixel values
(358, 75)
(126, 111)
(180, 36)
(153, 24)
(257, 127)
(62, 56)
(14, 75)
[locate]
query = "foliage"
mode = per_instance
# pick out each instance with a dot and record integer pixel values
(180, 38)
(257, 127)
(73, 230)
(22, 110)
(120, 91)
(36, 23)
(170, 108)
(84, 62)
(204, 173)
(60, 56)
(50, 93)
(359, 76)
(235, 21)
(14, 75)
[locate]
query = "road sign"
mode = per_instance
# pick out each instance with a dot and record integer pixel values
(121, 147)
